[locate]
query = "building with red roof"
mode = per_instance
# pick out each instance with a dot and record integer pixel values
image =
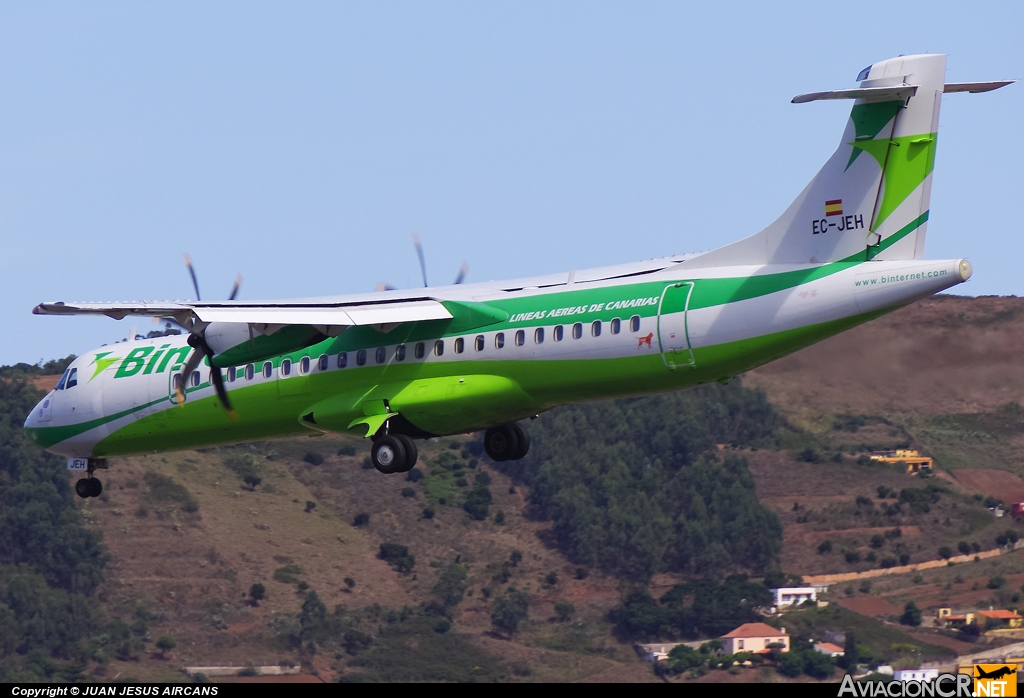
(758, 638)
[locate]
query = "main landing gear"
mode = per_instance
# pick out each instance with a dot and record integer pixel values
(394, 453)
(506, 442)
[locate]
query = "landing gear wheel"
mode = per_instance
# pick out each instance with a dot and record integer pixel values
(501, 443)
(411, 453)
(388, 454)
(524, 442)
(83, 488)
(95, 487)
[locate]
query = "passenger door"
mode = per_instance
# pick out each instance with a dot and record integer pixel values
(673, 335)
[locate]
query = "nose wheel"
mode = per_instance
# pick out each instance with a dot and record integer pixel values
(89, 487)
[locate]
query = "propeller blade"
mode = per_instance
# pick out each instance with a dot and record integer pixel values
(217, 378)
(423, 263)
(463, 270)
(192, 273)
(196, 342)
(238, 285)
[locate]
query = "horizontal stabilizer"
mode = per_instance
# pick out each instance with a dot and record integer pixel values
(975, 87)
(868, 94)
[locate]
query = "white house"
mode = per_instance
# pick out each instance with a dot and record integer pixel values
(790, 596)
(915, 674)
(829, 649)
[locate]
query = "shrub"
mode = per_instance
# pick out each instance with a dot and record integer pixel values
(996, 582)
(428, 513)
(945, 552)
(310, 506)
(564, 610)
(870, 557)
(252, 481)
(166, 643)
(1011, 535)
(964, 547)
(478, 503)
(414, 475)
(904, 558)
(313, 458)
(510, 609)
(877, 541)
(809, 455)
(853, 557)
(499, 518)
(257, 592)
(361, 519)
(825, 547)
(191, 506)
(887, 562)
(287, 574)
(408, 492)
(347, 450)
(582, 573)
(551, 579)
(397, 556)
(515, 558)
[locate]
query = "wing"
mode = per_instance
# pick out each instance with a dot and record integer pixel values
(268, 316)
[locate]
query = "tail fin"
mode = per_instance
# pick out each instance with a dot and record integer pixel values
(871, 198)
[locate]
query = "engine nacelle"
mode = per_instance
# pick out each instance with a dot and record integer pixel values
(235, 343)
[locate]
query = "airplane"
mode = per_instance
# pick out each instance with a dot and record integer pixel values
(400, 365)
(995, 673)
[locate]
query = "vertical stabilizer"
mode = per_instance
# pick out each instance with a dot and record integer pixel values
(871, 198)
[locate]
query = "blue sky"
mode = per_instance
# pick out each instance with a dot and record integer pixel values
(302, 144)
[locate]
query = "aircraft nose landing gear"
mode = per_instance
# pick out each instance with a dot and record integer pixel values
(507, 442)
(90, 486)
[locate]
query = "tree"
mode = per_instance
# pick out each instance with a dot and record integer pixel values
(681, 658)
(166, 644)
(850, 657)
(825, 547)
(564, 610)
(911, 614)
(945, 552)
(252, 481)
(510, 609)
(964, 547)
(257, 592)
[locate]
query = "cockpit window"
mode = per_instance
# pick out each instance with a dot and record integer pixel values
(72, 378)
(63, 379)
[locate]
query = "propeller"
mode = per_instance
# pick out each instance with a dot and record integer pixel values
(460, 277)
(202, 349)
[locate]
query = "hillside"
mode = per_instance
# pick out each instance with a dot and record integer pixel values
(620, 496)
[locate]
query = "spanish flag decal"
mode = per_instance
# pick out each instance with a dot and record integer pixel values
(834, 207)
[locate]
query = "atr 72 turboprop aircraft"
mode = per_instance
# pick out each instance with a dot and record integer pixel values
(400, 365)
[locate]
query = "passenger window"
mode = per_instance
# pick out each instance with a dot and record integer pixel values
(323, 362)
(177, 383)
(577, 330)
(343, 359)
(420, 350)
(616, 326)
(72, 378)
(557, 333)
(286, 367)
(460, 344)
(520, 338)
(634, 323)
(250, 372)
(400, 352)
(361, 357)
(304, 365)
(499, 340)
(538, 335)
(381, 354)
(195, 379)
(268, 369)
(595, 329)
(231, 374)
(479, 342)
(63, 379)
(439, 347)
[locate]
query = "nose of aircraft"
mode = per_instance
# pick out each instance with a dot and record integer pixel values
(34, 419)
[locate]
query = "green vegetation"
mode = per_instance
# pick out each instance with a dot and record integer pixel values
(50, 564)
(510, 609)
(287, 574)
(636, 487)
(704, 607)
(397, 556)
